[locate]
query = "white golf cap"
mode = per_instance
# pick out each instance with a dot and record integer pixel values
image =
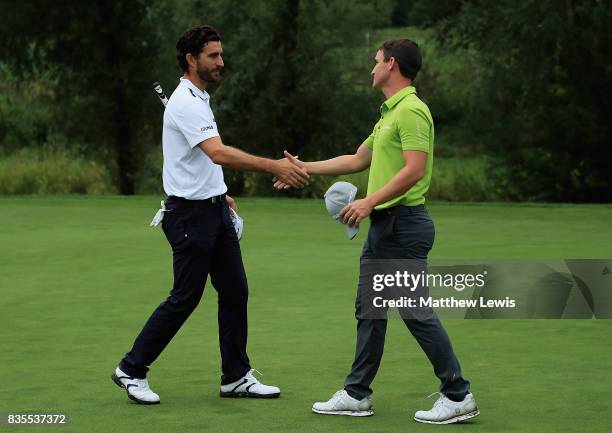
(337, 196)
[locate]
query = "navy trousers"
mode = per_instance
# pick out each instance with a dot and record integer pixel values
(204, 243)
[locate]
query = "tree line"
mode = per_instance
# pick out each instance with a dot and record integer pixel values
(524, 84)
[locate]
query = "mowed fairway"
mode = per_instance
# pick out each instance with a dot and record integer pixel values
(80, 275)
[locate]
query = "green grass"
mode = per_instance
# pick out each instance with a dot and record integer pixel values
(80, 275)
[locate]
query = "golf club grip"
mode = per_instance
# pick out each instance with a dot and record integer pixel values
(160, 93)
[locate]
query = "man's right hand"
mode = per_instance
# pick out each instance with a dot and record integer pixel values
(289, 173)
(280, 185)
(343, 164)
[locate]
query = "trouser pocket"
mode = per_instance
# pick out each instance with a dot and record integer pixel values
(176, 227)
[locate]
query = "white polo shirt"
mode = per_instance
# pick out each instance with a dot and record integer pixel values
(188, 120)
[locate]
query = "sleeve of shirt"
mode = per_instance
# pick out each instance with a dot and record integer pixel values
(369, 142)
(414, 130)
(197, 123)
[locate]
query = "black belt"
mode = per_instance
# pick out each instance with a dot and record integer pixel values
(180, 201)
(397, 210)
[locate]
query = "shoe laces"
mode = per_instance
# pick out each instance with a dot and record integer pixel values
(336, 397)
(338, 393)
(250, 374)
(142, 383)
(440, 399)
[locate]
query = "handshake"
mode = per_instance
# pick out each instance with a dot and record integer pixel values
(289, 172)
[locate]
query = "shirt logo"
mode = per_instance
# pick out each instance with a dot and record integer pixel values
(207, 128)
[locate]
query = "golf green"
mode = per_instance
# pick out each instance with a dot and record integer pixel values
(80, 275)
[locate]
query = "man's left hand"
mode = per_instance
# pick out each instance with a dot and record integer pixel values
(355, 212)
(231, 203)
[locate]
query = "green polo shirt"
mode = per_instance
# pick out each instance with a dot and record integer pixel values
(405, 124)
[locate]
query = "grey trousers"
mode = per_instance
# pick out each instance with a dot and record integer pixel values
(402, 232)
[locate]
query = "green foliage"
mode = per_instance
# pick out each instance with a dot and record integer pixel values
(105, 53)
(462, 179)
(149, 177)
(545, 105)
(29, 172)
(528, 83)
(423, 13)
(27, 117)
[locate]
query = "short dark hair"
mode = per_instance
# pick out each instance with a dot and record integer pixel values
(192, 41)
(406, 54)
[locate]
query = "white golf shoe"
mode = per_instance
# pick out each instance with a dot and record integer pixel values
(248, 386)
(446, 411)
(137, 389)
(342, 403)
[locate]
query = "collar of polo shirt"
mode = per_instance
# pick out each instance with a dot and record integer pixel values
(201, 93)
(394, 100)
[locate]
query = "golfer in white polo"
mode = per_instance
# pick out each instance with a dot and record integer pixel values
(199, 229)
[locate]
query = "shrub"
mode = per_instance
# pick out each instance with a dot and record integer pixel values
(454, 179)
(56, 173)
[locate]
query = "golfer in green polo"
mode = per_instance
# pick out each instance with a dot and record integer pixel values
(399, 153)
